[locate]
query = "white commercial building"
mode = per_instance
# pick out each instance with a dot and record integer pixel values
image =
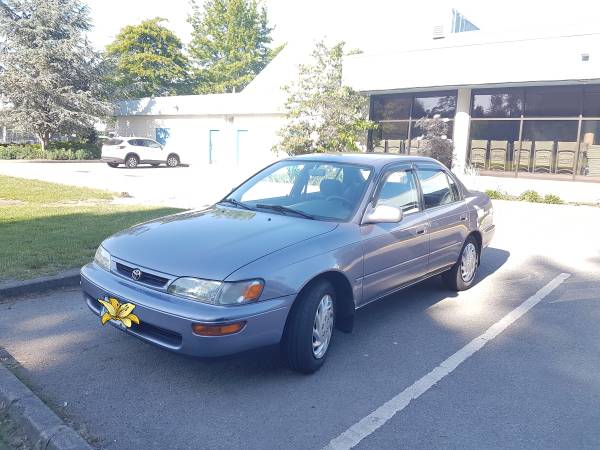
(523, 110)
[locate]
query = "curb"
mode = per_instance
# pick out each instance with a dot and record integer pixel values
(38, 422)
(69, 278)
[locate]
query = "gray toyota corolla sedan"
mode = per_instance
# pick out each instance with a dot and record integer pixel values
(289, 255)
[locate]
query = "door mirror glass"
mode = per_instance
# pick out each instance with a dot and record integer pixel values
(383, 214)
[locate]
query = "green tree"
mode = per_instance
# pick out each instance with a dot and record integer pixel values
(50, 82)
(230, 44)
(323, 115)
(435, 142)
(148, 60)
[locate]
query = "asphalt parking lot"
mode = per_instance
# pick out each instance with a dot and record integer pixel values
(536, 384)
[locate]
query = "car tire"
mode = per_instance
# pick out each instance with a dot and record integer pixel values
(113, 165)
(172, 161)
(132, 161)
(461, 275)
(310, 327)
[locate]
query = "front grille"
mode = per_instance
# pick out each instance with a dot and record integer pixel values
(147, 278)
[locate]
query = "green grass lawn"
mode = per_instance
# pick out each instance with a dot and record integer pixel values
(48, 227)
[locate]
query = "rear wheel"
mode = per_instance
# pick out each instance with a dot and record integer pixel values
(132, 161)
(113, 165)
(310, 328)
(462, 274)
(172, 161)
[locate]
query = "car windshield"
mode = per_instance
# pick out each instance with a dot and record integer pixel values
(309, 189)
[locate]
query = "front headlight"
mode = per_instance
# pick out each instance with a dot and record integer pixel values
(102, 258)
(217, 292)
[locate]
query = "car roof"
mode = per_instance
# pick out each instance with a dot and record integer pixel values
(377, 160)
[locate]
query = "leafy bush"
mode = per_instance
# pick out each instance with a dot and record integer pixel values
(56, 151)
(531, 196)
(553, 199)
(495, 195)
(435, 143)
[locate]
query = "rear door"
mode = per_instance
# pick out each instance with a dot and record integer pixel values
(395, 253)
(447, 214)
(153, 151)
(137, 148)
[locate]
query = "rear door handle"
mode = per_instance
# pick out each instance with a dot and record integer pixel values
(421, 231)
(463, 218)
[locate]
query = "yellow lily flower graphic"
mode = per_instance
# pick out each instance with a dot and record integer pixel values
(117, 311)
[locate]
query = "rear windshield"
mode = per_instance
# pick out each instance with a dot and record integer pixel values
(113, 142)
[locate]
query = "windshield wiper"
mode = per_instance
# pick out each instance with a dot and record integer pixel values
(285, 209)
(234, 202)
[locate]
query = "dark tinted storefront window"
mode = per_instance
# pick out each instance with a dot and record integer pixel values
(589, 154)
(390, 137)
(551, 145)
(553, 101)
(428, 106)
(591, 101)
(391, 107)
(417, 132)
(392, 130)
(493, 144)
(498, 104)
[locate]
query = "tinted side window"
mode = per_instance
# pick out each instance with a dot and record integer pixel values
(400, 190)
(135, 142)
(436, 188)
(150, 143)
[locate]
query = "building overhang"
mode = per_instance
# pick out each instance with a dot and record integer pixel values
(478, 63)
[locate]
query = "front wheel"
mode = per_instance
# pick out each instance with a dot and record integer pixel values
(310, 328)
(461, 275)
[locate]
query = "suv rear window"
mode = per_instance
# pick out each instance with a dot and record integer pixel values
(113, 142)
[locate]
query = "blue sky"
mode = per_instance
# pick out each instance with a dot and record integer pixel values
(364, 24)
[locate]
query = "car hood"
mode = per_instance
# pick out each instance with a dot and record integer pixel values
(211, 243)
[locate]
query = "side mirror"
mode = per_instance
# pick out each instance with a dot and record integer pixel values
(382, 214)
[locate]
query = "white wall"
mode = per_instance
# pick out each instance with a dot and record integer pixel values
(190, 136)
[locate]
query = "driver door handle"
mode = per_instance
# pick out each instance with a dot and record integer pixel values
(421, 230)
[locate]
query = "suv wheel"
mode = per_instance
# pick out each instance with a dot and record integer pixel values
(172, 161)
(309, 331)
(462, 274)
(132, 161)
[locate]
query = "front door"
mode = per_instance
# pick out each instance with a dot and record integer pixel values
(447, 213)
(395, 253)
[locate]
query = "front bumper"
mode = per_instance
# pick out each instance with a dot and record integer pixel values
(166, 320)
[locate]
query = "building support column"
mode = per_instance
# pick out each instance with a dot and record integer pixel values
(461, 130)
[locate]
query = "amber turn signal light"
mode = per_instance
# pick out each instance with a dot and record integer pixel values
(204, 329)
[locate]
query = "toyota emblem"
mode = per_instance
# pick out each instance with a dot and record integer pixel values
(136, 274)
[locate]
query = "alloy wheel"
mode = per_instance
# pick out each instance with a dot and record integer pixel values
(322, 327)
(468, 264)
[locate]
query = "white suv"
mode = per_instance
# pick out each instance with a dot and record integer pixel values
(133, 151)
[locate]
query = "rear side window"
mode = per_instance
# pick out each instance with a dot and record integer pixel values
(113, 142)
(400, 190)
(436, 188)
(150, 143)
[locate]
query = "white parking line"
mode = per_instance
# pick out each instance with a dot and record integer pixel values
(363, 428)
